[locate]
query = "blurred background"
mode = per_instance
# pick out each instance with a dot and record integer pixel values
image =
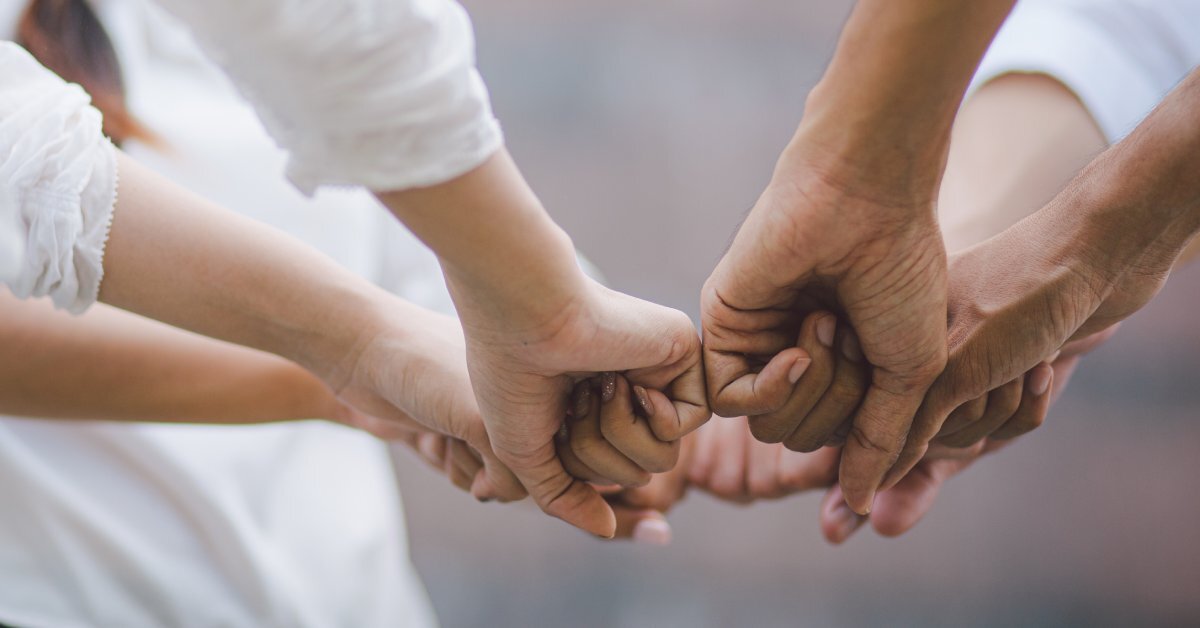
(649, 129)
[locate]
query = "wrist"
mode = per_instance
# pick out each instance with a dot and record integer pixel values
(1118, 227)
(899, 173)
(540, 280)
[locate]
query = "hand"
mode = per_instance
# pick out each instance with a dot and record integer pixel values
(607, 439)
(524, 371)
(901, 507)
(816, 241)
(449, 456)
(1016, 300)
(730, 464)
(409, 382)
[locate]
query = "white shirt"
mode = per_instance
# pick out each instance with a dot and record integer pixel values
(376, 93)
(1120, 57)
(141, 525)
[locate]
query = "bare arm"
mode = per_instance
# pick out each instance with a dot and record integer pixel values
(111, 365)
(847, 224)
(179, 259)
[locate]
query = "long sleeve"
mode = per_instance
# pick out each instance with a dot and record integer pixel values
(378, 93)
(58, 180)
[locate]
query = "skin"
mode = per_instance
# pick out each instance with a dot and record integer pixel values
(847, 225)
(1092, 256)
(111, 365)
(1016, 143)
(250, 285)
(535, 326)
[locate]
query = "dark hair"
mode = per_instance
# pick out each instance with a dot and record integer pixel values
(67, 37)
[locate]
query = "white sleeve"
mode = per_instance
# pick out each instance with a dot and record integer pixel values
(58, 185)
(378, 93)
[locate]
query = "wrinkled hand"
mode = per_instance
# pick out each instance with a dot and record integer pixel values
(524, 373)
(902, 506)
(1016, 300)
(813, 243)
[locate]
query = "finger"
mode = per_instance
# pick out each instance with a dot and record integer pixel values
(576, 467)
(432, 448)
(1064, 369)
(588, 444)
(1034, 404)
(965, 414)
(497, 481)
(806, 471)
(762, 469)
(562, 442)
(728, 477)
(899, 508)
(462, 465)
(663, 492)
(879, 433)
(455, 472)
(704, 456)
(558, 494)
(838, 438)
(642, 526)
(689, 404)
(938, 451)
(932, 413)
(631, 435)
(464, 457)
(1002, 404)
(816, 339)
(838, 522)
(839, 401)
(735, 389)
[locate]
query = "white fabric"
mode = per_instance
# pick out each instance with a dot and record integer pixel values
(288, 525)
(59, 185)
(1121, 57)
(379, 93)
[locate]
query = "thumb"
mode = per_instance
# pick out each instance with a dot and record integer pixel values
(560, 495)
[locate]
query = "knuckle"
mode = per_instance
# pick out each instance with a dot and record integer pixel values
(804, 443)
(874, 443)
(767, 429)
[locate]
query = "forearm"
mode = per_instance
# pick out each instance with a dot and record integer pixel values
(111, 365)
(497, 245)
(885, 106)
(1138, 204)
(174, 257)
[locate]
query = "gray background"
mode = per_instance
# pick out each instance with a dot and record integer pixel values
(648, 129)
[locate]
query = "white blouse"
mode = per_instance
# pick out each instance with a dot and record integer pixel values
(1120, 57)
(136, 525)
(378, 93)
(58, 181)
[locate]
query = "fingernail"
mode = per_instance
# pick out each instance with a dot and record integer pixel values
(866, 511)
(1039, 381)
(798, 368)
(643, 400)
(652, 532)
(583, 402)
(851, 348)
(608, 386)
(825, 330)
(845, 521)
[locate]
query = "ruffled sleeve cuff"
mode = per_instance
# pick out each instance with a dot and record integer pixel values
(59, 175)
